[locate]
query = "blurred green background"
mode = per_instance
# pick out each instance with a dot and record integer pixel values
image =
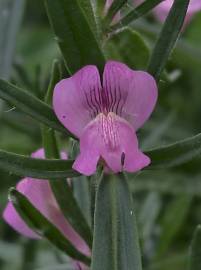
(168, 202)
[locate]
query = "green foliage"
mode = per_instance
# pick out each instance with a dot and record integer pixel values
(168, 37)
(176, 153)
(36, 168)
(136, 13)
(115, 6)
(166, 194)
(69, 22)
(29, 104)
(115, 235)
(133, 42)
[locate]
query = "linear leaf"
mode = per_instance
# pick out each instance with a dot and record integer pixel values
(87, 7)
(175, 154)
(43, 227)
(77, 41)
(175, 183)
(56, 76)
(115, 243)
(135, 14)
(30, 105)
(112, 11)
(36, 168)
(185, 54)
(168, 37)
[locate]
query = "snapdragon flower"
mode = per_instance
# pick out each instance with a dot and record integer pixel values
(105, 115)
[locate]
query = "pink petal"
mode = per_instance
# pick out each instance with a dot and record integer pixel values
(40, 153)
(109, 138)
(90, 146)
(194, 5)
(135, 92)
(75, 99)
(16, 222)
(79, 266)
(161, 11)
(107, 6)
(40, 195)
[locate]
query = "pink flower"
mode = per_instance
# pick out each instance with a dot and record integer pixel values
(40, 195)
(161, 11)
(107, 6)
(105, 116)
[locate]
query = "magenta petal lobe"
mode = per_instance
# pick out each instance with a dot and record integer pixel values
(16, 222)
(133, 94)
(107, 138)
(76, 99)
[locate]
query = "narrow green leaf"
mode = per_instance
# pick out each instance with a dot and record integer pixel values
(77, 41)
(112, 11)
(195, 250)
(87, 7)
(11, 12)
(43, 227)
(185, 54)
(30, 105)
(116, 244)
(135, 14)
(175, 154)
(55, 77)
(48, 136)
(175, 183)
(167, 38)
(172, 221)
(133, 42)
(36, 168)
(160, 130)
